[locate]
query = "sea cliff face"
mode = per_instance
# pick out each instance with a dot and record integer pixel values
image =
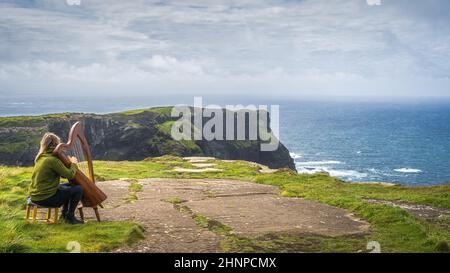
(132, 135)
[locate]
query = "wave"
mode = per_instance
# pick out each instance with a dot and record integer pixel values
(346, 174)
(408, 170)
(315, 163)
(380, 172)
(309, 170)
(295, 156)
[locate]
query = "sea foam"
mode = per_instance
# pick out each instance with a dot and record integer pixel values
(295, 155)
(315, 163)
(408, 170)
(346, 174)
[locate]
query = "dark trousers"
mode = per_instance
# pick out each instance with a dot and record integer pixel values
(67, 196)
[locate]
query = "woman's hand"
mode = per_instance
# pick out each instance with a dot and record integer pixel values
(73, 160)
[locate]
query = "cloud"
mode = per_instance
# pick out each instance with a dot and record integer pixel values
(373, 2)
(167, 64)
(156, 66)
(294, 47)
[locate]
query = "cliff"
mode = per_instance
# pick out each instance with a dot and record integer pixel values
(131, 135)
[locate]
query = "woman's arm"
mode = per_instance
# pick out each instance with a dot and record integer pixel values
(62, 170)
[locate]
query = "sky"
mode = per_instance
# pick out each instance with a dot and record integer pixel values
(280, 49)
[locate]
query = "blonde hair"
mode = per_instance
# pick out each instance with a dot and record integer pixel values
(48, 143)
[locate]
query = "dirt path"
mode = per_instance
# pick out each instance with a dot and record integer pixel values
(250, 209)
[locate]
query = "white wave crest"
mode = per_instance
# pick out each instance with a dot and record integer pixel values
(295, 156)
(408, 170)
(309, 171)
(347, 174)
(316, 163)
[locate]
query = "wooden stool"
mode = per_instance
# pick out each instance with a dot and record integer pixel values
(51, 215)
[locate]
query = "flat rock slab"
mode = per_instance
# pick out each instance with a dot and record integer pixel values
(250, 209)
(198, 159)
(253, 217)
(204, 165)
(205, 170)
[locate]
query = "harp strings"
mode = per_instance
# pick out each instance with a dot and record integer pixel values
(82, 163)
(78, 152)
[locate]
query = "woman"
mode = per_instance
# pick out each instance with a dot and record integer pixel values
(45, 188)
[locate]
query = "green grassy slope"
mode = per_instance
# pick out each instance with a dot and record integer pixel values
(394, 228)
(16, 235)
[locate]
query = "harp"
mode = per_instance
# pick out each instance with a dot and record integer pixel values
(78, 147)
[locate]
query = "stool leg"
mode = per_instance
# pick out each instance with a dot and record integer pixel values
(49, 215)
(97, 215)
(55, 217)
(35, 210)
(27, 213)
(80, 210)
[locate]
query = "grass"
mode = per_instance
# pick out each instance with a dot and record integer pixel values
(186, 144)
(201, 220)
(16, 143)
(16, 235)
(30, 121)
(174, 200)
(133, 189)
(394, 228)
(289, 243)
(172, 147)
(13, 148)
(165, 111)
(162, 167)
(269, 243)
(166, 127)
(133, 125)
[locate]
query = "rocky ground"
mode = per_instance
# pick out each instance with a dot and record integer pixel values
(429, 213)
(165, 208)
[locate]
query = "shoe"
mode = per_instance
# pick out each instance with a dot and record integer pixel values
(73, 221)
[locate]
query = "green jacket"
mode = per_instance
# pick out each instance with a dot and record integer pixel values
(46, 176)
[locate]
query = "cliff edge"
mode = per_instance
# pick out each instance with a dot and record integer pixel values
(132, 135)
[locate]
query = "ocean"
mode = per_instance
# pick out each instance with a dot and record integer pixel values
(398, 142)
(378, 142)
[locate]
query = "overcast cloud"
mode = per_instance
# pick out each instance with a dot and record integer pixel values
(280, 48)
